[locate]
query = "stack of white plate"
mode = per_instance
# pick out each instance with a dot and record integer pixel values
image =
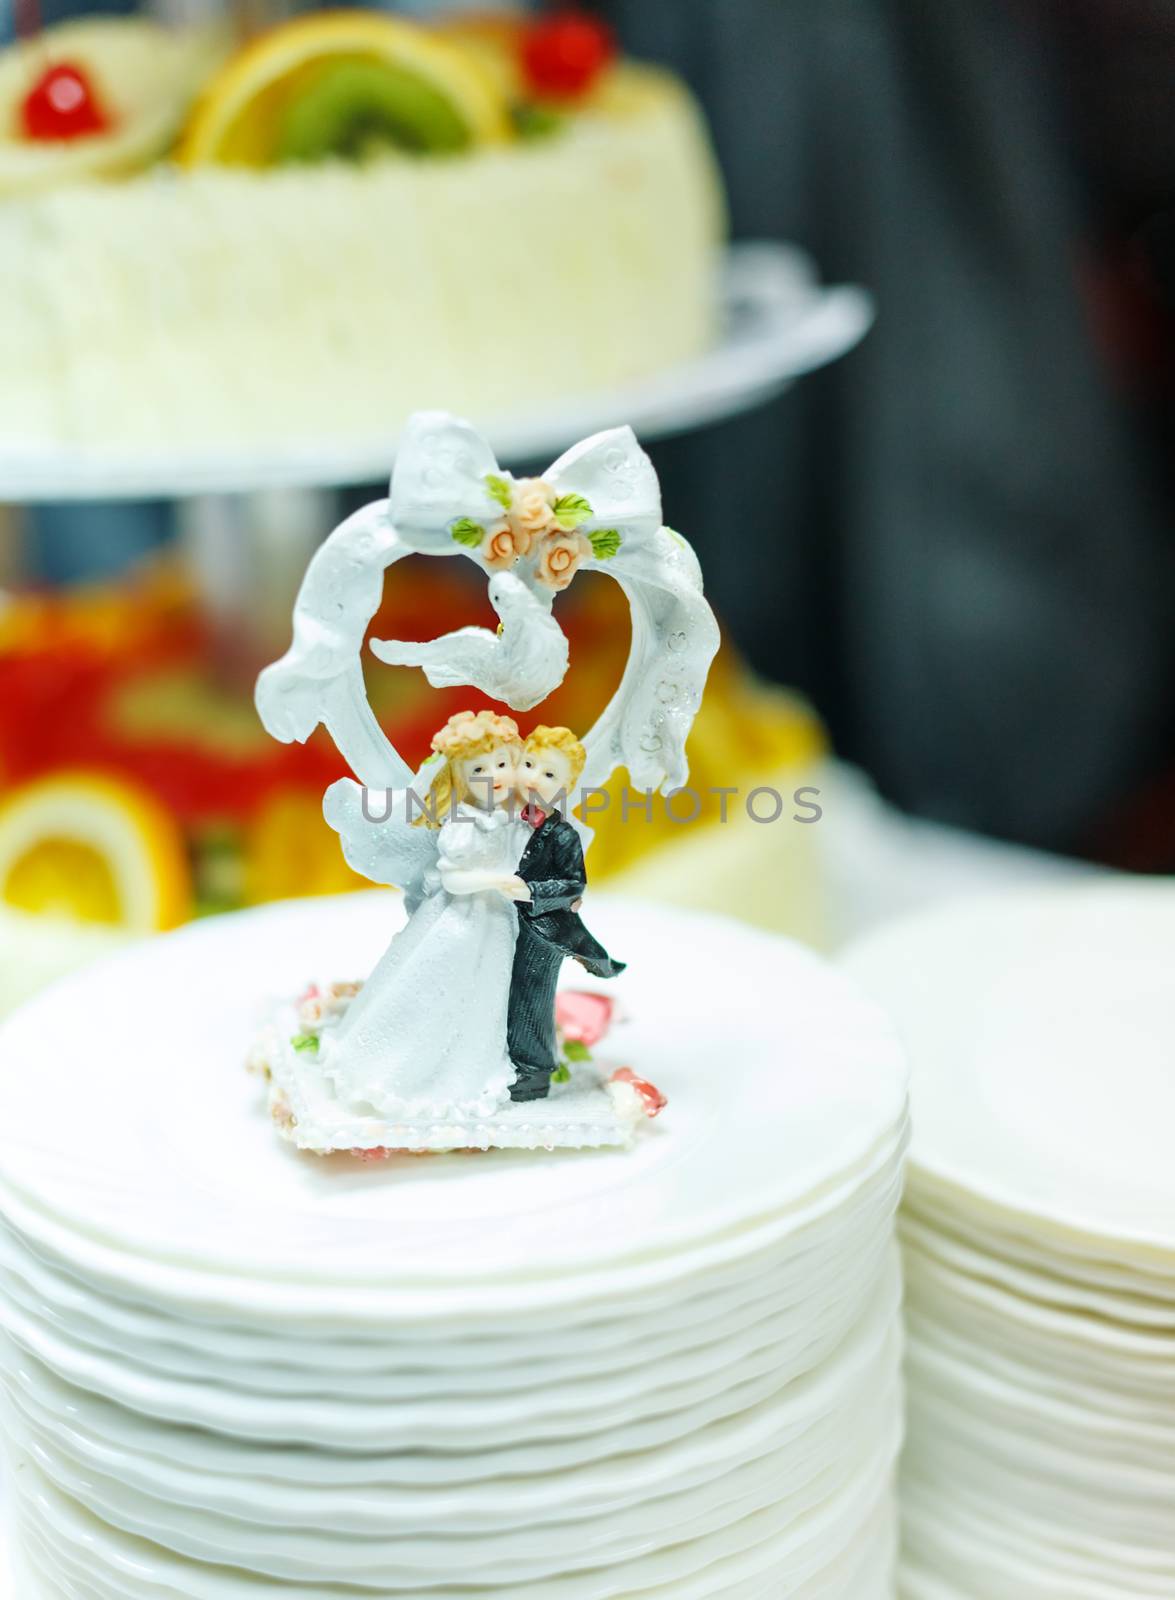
(1039, 1242)
(233, 1371)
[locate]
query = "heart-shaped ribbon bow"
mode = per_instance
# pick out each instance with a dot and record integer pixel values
(599, 497)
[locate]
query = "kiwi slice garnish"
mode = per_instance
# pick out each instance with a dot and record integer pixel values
(535, 121)
(355, 108)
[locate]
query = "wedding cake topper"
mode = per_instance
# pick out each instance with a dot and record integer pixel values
(458, 1038)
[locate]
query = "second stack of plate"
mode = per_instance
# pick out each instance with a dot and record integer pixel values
(1039, 1242)
(232, 1372)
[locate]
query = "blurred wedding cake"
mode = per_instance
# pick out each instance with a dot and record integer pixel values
(350, 216)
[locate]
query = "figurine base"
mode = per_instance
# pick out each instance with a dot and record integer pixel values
(591, 1111)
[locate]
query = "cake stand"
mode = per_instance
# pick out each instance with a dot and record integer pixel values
(778, 323)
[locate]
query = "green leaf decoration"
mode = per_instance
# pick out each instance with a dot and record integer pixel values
(605, 542)
(575, 1050)
(305, 1042)
(570, 510)
(468, 532)
(500, 490)
(561, 1074)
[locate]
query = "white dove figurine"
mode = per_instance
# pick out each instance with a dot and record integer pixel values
(520, 664)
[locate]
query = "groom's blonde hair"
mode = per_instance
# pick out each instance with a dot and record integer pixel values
(467, 733)
(544, 738)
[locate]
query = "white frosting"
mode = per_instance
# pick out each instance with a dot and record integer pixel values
(326, 302)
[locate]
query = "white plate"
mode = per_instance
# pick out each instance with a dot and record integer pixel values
(1035, 1285)
(802, 1542)
(687, 1285)
(862, 1569)
(488, 1313)
(998, 1562)
(426, 1469)
(953, 1212)
(445, 1423)
(701, 1287)
(520, 1379)
(151, 1140)
(778, 1323)
(934, 1281)
(466, 1489)
(782, 1284)
(1054, 1408)
(1102, 1373)
(465, 1423)
(779, 323)
(297, 1553)
(1041, 1032)
(212, 1475)
(914, 1584)
(1000, 1397)
(1018, 1476)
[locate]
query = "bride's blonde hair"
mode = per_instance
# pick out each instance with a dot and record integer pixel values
(467, 733)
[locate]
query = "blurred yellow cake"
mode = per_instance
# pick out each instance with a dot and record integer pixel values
(353, 216)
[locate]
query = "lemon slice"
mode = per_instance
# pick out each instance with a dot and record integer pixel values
(94, 849)
(145, 77)
(320, 85)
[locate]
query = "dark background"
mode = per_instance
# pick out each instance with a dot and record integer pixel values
(958, 540)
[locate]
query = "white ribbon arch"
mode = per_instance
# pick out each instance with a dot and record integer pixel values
(441, 482)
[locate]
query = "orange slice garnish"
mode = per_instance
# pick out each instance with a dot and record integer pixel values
(94, 849)
(245, 113)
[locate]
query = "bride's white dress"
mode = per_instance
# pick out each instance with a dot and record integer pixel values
(425, 1039)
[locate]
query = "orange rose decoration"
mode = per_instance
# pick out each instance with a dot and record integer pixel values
(559, 558)
(504, 545)
(531, 511)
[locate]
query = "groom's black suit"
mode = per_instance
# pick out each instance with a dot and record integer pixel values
(549, 930)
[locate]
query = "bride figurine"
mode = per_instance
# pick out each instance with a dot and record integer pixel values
(425, 1039)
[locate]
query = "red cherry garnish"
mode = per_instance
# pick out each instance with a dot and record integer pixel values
(62, 105)
(564, 54)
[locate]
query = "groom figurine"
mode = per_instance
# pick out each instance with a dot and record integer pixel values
(549, 926)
